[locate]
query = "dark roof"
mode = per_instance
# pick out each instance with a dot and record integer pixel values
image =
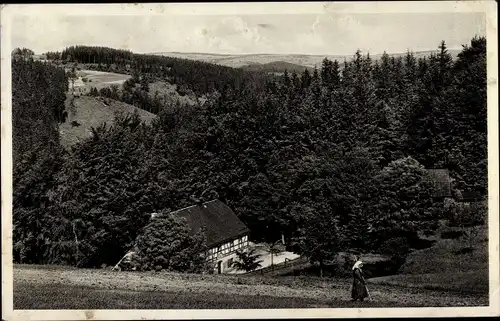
(220, 221)
(442, 182)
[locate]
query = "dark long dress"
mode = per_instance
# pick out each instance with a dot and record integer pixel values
(358, 286)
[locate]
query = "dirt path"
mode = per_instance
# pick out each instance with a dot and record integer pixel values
(213, 285)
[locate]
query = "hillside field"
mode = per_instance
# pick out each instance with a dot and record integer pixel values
(435, 276)
(99, 79)
(48, 287)
(443, 267)
(90, 112)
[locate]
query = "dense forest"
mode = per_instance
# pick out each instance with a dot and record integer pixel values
(333, 159)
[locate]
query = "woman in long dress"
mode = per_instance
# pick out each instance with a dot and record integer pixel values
(359, 291)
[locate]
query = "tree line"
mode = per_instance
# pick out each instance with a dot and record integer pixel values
(333, 159)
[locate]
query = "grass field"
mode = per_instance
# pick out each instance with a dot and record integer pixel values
(42, 287)
(99, 79)
(90, 112)
(57, 298)
(440, 267)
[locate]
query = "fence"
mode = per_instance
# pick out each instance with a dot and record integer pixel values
(279, 267)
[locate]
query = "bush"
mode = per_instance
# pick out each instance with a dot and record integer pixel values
(401, 201)
(451, 209)
(247, 260)
(452, 235)
(167, 244)
(384, 268)
(396, 246)
(468, 215)
(465, 250)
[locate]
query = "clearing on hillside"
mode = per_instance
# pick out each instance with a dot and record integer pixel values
(456, 264)
(86, 112)
(98, 79)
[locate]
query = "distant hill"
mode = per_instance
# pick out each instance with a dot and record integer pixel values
(310, 61)
(88, 112)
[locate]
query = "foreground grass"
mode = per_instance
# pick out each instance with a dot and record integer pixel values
(470, 282)
(81, 297)
(39, 287)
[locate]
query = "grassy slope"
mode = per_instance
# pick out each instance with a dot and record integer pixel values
(439, 267)
(61, 287)
(101, 79)
(57, 298)
(91, 112)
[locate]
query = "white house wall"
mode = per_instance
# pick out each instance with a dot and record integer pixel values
(227, 251)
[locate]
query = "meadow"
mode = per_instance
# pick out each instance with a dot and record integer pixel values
(87, 112)
(49, 287)
(444, 267)
(434, 276)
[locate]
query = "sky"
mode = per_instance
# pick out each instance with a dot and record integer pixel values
(318, 34)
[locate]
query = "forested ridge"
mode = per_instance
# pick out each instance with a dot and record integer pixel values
(200, 77)
(332, 159)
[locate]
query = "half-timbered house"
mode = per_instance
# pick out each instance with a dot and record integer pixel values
(225, 232)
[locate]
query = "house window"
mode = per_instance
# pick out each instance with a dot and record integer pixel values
(230, 263)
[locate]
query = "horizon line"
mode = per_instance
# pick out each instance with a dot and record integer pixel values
(256, 54)
(289, 54)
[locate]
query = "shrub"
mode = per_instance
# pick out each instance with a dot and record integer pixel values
(400, 201)
(451, 234)
(465, 250)
(399, 246)
(468, 215)
(383, 268)
(167, 243)
(451, 209)
(247, 260)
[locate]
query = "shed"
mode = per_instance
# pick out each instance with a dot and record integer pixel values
(442, 183)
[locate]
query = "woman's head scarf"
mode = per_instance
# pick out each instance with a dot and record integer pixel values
(357, 265)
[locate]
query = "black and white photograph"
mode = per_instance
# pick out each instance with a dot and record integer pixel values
(249, 159)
